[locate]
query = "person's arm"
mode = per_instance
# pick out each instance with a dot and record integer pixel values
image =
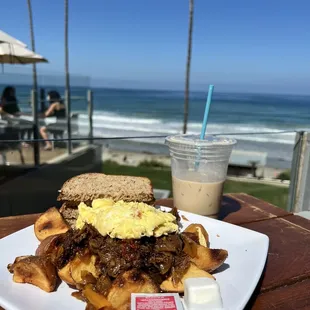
(50, 110)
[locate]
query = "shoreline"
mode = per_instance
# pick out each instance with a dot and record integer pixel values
(133, 152)
(278, 157)
(131, 158)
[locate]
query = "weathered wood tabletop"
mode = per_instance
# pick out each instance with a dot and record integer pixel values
(285, 283)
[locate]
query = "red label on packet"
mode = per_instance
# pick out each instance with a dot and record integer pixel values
(155, 302)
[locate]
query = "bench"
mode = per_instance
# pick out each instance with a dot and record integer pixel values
(161, 193)
(58, 129)
(246, 162)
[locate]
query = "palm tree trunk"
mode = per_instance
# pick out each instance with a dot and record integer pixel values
(188, 64)
(34, 93)
(67, 91)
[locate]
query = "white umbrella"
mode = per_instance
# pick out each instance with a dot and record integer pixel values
(6, 38)
(17, 54)
(13, 51)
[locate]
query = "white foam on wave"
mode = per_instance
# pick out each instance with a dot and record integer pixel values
(114, 125)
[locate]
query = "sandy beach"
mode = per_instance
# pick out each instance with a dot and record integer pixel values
(128, 158)
(135, 158)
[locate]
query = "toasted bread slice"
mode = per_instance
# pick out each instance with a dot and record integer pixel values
(89, 186)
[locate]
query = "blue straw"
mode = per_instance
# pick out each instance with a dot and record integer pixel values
(205, 121)
(206, 115)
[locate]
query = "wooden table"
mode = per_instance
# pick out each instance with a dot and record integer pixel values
(285, 283)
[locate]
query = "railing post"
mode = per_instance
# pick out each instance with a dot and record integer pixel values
(42, 100)
(68, 112)
(90, 107)
(35, 128)
(299, 195)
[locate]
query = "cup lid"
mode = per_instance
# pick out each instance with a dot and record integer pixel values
(194, 141)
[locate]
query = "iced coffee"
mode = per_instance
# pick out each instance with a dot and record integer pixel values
(199, 169)
(197, 197)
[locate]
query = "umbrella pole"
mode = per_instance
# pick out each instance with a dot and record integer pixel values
(67, 91)
(36, 146)
(34, 95)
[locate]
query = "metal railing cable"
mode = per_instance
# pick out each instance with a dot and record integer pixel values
(141, 137)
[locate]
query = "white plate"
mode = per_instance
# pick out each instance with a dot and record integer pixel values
(247, 252)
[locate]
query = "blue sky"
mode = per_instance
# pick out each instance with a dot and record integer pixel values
(241, 45)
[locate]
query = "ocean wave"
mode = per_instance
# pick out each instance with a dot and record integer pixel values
(108, 124)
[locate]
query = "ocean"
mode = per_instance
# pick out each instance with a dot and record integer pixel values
(247, 117)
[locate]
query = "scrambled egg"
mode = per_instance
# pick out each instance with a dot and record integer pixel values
(126, 220)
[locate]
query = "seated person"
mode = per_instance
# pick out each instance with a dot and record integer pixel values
(8, 103)
(9, 109)
(56, 109)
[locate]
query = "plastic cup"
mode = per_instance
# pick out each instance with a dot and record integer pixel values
(199, 170)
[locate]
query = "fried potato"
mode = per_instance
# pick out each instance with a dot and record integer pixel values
(123, 307)
(17, 259)
(131, 281)
(50, 223)
(209, 259)
(36, 270)
(200, 232)
(80, 264)
(190, 246)
(97, 300)
(192, 272)
(48, 245)
(103, 284)
(65, 274)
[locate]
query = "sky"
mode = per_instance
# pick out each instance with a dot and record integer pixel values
(241, 45)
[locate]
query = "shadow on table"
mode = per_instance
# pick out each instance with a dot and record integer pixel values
(229, 206)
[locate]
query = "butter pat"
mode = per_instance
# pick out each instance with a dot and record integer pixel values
(202, 294)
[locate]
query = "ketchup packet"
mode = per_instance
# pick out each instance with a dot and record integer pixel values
(162, 301)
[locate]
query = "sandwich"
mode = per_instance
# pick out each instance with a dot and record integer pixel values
(108, 242)
(90, 186)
